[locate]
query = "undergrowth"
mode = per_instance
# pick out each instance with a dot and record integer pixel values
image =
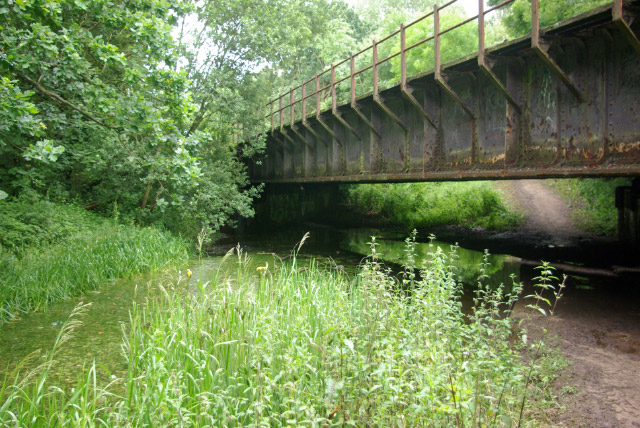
(25, 224)
(420, 205)
(293, 345)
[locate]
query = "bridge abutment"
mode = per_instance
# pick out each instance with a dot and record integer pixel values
(628, 205)
(282, 204)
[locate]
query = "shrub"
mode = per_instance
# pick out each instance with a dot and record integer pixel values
(28, 223)
(594, 198)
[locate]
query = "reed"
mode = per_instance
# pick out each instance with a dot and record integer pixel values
(46, 274)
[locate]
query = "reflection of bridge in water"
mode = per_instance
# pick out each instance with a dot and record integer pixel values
(562, 101)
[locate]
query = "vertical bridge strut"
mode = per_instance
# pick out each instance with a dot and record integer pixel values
(405, 89)
(486, 65)
(377, 99)
(542, 50)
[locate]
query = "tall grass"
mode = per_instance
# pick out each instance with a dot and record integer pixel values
(43, 275)
(304, 346)
(423, 205)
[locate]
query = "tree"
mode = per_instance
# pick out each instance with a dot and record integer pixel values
(517, 16)
(94, 108)
(153, 104)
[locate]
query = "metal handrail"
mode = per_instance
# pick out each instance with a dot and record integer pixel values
(319, 90)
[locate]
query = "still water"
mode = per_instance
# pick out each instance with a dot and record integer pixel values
(99, 339)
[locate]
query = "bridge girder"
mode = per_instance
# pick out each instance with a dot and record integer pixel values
(566, 104)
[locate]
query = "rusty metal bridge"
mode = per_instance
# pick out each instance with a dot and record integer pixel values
(562, 101)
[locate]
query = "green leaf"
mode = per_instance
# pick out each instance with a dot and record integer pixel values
(538, 308)
(80, 4)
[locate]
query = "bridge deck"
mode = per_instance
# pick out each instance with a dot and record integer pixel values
(563, 101)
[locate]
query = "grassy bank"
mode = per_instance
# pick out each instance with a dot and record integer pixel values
(593, 201)
(421, 205)
(303, 346)
(55, 251)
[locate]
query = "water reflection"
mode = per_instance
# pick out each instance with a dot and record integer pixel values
(468, 262)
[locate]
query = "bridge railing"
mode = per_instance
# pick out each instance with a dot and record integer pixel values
(288, 101)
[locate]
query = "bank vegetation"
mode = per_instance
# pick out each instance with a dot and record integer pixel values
(302, 345)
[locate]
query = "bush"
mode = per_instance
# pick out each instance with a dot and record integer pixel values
(34, 223)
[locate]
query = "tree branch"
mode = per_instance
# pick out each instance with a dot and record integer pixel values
(57, 98)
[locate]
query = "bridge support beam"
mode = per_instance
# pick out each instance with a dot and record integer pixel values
(515, 118)
(622, 20)
(309, 153)
(628, 204)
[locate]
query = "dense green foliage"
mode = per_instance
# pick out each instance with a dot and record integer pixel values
(422, 205)
(517, 17)
(96, 109)
(593, 201)
(25, 224)
(53, 251)
(301, 346)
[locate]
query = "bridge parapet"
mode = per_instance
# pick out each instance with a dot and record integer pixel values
(561, 101)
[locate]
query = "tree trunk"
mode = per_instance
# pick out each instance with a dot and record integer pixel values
(145, 198)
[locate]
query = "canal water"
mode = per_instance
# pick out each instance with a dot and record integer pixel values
(99, 339)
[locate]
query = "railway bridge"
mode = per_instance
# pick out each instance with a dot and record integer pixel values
(560, 101)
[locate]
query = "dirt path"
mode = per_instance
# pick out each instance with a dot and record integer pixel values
(597, 323)
(598, 332)
(545, 212)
